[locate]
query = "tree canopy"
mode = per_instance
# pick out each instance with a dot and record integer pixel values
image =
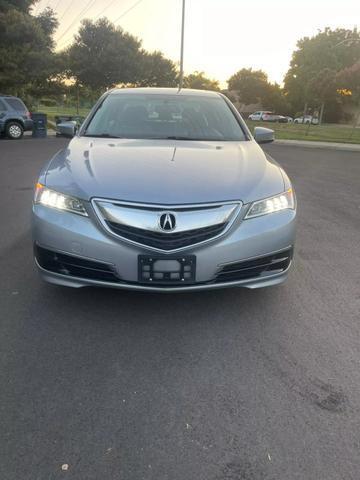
(252, 86)
(348, 79)
(103, 55)
(26, 46)
(316, 61)
(199, 81)
(21, 5)
(249, 84)
(155, 71)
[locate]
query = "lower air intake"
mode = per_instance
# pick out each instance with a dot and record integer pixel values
(74, 266)
(247, 269)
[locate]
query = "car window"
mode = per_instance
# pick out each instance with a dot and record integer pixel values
(2, 106)
(16, 104)
(165, 116)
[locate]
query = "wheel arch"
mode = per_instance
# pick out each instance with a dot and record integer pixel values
(16, 120)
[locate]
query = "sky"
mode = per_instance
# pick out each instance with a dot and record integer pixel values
(221, 36)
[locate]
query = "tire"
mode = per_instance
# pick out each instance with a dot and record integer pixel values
(14, 130)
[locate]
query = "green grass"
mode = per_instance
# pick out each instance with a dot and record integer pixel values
(283, 131)
(316, 133)
(53, 111)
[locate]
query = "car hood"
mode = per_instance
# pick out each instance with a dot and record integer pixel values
(163, 171)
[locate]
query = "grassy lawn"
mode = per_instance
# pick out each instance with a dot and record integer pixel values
(53, 111)
(316, 133)
(283, 131)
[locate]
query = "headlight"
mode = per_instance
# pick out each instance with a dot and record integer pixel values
(273, 204)
(50, 198)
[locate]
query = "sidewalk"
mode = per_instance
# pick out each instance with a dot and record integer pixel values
(351, 147)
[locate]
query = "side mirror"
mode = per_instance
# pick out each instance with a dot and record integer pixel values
(264, 135)
(68, 129)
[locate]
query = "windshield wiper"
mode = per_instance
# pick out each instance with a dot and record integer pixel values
(101, 135)
(179, 137)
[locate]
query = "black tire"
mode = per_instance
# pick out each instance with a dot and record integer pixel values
(14, 130)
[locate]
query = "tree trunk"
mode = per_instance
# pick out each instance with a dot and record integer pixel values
(321, 113)
(305, 110)
(357, 118)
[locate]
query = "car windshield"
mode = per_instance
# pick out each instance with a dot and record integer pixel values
(157, 116)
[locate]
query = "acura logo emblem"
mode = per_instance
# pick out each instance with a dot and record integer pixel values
(167, 221)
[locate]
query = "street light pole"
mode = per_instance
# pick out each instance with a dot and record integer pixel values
(181, 76)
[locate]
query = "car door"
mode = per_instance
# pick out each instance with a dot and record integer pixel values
(3, 111)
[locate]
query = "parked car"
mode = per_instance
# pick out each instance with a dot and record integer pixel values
(258, 116)
(266, 116)
(15, 118)
(178, 201)
(307, 119)
(274, 117)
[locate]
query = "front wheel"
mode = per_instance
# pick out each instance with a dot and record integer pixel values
(14, 130)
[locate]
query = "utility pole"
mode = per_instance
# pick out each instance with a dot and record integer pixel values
(181, 76)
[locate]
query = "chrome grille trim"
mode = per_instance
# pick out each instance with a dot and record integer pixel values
(144, 217)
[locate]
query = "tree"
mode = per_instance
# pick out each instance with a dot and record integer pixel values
(103, 55)
(252, 86)
(349, 79)
(21, 5)
(273, 98)
(156, 71)
(322, 89)
(198, 81)
(249, 84)
(26, 46)
(329, 50)
(348, 84)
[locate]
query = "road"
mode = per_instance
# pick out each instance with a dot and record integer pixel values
(227, 385)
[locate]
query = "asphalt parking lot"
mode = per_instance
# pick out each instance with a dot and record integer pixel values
(226, 385)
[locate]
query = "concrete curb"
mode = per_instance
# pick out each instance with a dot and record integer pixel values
(350, 147)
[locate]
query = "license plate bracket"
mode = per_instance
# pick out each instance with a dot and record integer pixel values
(166, 270)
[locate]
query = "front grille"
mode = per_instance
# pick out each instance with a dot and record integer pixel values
(166, 241)
(74, 266)
(244, 270)
(187, 225)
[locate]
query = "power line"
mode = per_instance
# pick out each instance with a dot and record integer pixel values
(57, 4)
(65, 11)
(104, 9)
(116, 20)
(127, 11)
(79, 16)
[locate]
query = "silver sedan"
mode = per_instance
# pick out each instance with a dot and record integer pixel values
(164, 190)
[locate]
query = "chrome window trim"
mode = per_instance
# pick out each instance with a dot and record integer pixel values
(161, 207)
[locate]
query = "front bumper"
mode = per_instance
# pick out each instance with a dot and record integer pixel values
(85, 238)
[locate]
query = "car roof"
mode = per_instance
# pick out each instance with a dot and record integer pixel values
(164, 91)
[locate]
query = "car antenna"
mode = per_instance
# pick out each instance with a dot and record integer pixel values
(181, 75)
